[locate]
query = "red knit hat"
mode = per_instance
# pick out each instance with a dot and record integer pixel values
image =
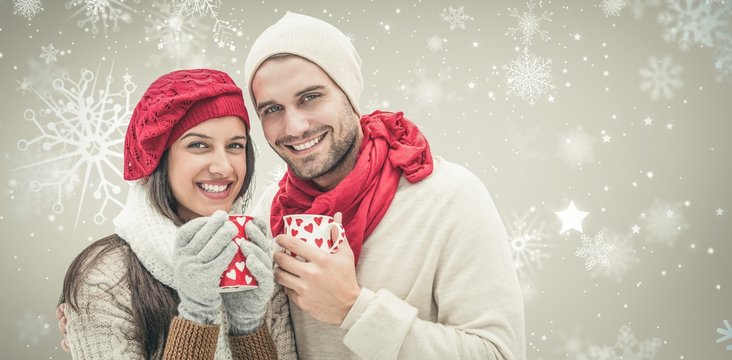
(174, 103)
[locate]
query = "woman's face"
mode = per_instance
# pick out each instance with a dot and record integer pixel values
(206, 166)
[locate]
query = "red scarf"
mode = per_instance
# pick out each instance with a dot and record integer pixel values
(391, 145)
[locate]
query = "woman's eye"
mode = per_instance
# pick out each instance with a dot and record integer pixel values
(197, 145)
(272, 109)
(236, 146)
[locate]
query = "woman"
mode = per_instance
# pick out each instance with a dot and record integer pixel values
(151, 289)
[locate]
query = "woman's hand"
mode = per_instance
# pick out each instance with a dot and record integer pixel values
(246, 308)
(204, 248)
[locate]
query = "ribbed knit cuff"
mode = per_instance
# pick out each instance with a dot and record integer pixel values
(253, 346)
(190, 340)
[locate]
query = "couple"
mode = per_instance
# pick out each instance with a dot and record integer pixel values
(428, 273)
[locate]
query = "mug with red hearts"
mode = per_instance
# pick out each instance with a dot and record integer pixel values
(237, 276)
(315, 231)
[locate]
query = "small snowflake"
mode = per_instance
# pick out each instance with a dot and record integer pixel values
(661, 78)
(529, 24)
(27, 8)
(222, 29)
(528, 243)
(434, 43)
(626, 348)
(620, 260)
(528, 77)
(455, 17)
(664, 222)
(50, 54)
(107, 12)
(31, 329)
(24, 85)
(179, 38)
(612, 7)
(726, 334)
(595, 250)
(277, 173)
(687, 23)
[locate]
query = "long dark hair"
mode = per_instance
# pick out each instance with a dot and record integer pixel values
(154, 304)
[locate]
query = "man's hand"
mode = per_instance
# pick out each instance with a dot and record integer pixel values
(325, 284)
(61, 316)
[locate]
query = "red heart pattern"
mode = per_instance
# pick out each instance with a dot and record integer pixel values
(312, 230)
(237, 275)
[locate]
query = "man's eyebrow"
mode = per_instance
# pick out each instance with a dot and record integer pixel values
(263, 105)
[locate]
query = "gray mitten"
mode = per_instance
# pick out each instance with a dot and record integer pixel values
(203, 251)
(246, 308)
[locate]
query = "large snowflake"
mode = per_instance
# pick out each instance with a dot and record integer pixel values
(107, 12)
(529, 23)
(626, 348)
(612, 7)
(726, 333)
(27, 8)
(528, 243)
(426, 91)
(85, 123)
(456, 18)
(30, 329)
(692, 22)
(222, 29)
(528, 77)
(576, 148)
(620, 260)
(661, 78)
(663, 222)
(179, 38)
(595, 250)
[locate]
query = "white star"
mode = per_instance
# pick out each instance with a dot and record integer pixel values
(648, 120)
(669, 213)
(636, 229)
(550, 98)
(387, 27)
(471, 85)
(606, 138)
(720, 211)
(577, 36)
(475, 44)
(669, 126)
(571, 218)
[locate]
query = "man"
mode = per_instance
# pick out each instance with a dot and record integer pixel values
(428, 273)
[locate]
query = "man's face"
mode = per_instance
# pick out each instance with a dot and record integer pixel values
(306, 118)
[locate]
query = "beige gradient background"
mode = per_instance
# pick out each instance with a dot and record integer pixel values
(628, 157)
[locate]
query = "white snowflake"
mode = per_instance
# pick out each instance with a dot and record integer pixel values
(620, 260)
(108, 12)
(692, 22)
(25, 194)
(664, 222)
(455, 17)
(638, 7)
(179, 38)
(27, 8)
(625, 348)
(31, 329)
(612, 7)
(24, 85)
(576, 148)
(277, 173)
(50, 54)
(427, 91)
(529, 23)
(434, 43)
(661, 78)
(595, 250)
(722, 59)
(222, 29)
(86, 124)
(528, 77)
(528, 243)
(726, 333)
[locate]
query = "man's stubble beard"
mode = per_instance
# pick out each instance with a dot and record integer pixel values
(338, 154)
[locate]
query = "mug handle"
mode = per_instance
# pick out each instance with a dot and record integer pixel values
(341, 235)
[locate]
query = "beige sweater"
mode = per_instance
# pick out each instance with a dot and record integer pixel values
(437, 280)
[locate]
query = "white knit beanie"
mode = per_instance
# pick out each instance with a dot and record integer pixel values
(316, 41)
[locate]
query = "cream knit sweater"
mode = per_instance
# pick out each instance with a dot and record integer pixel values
(437, 280)
(102, 328)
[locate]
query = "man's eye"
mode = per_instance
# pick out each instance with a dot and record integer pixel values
(309, 97)
(273, 108)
